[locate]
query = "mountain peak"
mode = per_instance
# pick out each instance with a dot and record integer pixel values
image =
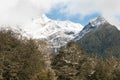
(92, 26)
(56, 33)
(98, 21)
(43, 18)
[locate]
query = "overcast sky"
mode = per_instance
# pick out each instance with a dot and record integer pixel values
(22, 11)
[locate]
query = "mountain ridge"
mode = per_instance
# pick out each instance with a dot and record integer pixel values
(92, 25)
(56, 33)
(101, 39)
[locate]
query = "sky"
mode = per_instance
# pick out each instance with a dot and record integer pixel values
(78, 11)
(54, 14)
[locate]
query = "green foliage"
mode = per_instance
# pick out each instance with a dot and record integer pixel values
(22, 59)
(28, 59)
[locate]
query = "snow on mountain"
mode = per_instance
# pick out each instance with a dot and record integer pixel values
(57, 33)
(92, 25)
(16, 29)
(98, 21)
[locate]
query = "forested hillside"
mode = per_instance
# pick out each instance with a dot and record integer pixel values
(30, 59)
(73, 64)
(23, 59)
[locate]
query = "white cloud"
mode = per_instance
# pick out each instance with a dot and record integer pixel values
(107, 8)
(21, 11)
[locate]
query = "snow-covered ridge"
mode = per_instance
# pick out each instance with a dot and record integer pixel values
(98, 21)
(57, 33)
(44, 27)
(16, 29)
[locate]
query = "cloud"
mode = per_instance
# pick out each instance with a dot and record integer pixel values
(21, 11)
(107, 8)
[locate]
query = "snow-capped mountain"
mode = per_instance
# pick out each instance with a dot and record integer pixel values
(57, 33)
(93, 25)
(100, 37)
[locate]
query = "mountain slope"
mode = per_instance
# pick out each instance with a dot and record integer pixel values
(92, 26)
(100, 37)
(56, 33)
